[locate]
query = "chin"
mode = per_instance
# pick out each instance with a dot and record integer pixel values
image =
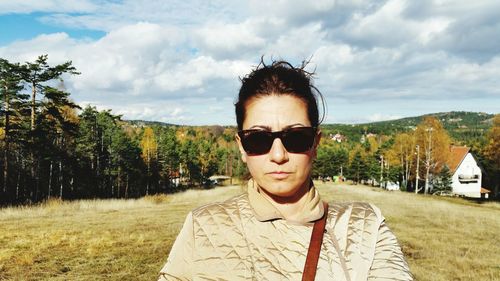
(281, 188)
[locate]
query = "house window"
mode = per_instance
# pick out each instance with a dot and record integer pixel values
(468, 178)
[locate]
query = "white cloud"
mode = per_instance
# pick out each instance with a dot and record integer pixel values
(182, 59)
(381, 117)
(127, 58)
(299, 43)
(108, 15)
(194, 73)
(228, 40)
(431, 30)
(164, 113)
(58, 44)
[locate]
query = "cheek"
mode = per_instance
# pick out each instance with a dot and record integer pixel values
(305, 160)
(255, 164)
(307, 163)
(302, 164)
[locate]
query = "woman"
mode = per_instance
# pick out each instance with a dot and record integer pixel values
(265, 233)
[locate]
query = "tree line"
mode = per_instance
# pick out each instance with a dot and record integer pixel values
(51, 147)
(416, 160)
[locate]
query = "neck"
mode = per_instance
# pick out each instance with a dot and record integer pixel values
(289, 206)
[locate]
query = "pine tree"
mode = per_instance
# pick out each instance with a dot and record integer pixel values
(168, 157)
(443, 182)
(12, 104)
(126, 164)
(358, 168)
(39, 72)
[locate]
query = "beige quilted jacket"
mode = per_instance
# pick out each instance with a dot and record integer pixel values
(246, 238)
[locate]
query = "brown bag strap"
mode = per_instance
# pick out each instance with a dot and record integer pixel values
(315, 247)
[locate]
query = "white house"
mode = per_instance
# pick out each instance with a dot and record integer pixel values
(466, 174)
(338, 137)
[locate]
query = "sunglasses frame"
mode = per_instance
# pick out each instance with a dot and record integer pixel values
(243, 134)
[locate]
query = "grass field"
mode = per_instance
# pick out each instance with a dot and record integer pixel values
(442, 238)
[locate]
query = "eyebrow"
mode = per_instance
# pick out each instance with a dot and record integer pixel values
(268, 128)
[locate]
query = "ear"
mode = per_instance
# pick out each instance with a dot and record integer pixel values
(317, 140)
(242, 151)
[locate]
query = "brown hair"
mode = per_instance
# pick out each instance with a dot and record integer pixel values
(280, 78)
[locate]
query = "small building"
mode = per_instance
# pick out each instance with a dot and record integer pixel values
(338, 137)
(466, 173)
(219, 180)
(175, 178)
(392, 185)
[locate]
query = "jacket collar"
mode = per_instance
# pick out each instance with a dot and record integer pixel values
(265, 211)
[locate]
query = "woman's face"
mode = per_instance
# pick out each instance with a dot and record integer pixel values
(278, 172)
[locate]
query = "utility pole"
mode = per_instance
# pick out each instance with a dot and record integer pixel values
(381, 169)
(416, 172)
(428, 160)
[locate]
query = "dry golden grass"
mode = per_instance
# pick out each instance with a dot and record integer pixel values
(443, 238)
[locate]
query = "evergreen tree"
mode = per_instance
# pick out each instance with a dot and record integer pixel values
(88, 153)
(168, 158)
(57, 126)
(443, 182)
(190, 166)
(37, 73)
(125, 166)
(11, 109)
(331, 160)
(372, 169)
(207, 158)
(358, 168)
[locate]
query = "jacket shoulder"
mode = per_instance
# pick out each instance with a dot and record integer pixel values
(355, 225)
(355, 210)
(361, 221)
(221, 210)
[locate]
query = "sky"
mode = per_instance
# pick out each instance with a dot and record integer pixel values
(180, 61)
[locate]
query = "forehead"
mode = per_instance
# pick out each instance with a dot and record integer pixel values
(276, 112)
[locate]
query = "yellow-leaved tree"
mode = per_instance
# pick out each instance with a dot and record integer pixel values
(149, 148)
(434, 143)
(403, 153)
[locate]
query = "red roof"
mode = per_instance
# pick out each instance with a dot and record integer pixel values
(484, 190)
(457, 155)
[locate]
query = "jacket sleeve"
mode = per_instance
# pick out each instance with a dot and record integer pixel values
(388, 261)
(180, 260)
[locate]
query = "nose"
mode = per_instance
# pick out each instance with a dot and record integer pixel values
(278, 153)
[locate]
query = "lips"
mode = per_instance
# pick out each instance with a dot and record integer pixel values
(279, 174)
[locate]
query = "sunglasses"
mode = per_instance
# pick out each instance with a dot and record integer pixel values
(295, 140)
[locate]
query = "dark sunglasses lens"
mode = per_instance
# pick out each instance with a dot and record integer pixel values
(256, 142)
(298, 140)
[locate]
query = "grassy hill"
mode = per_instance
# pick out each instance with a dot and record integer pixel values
(442, 238)
(459, 124)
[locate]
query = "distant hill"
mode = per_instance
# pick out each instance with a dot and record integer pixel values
(142, 123)
(461, 125)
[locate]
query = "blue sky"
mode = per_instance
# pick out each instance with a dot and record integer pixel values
(27, 26)
(179, 61)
